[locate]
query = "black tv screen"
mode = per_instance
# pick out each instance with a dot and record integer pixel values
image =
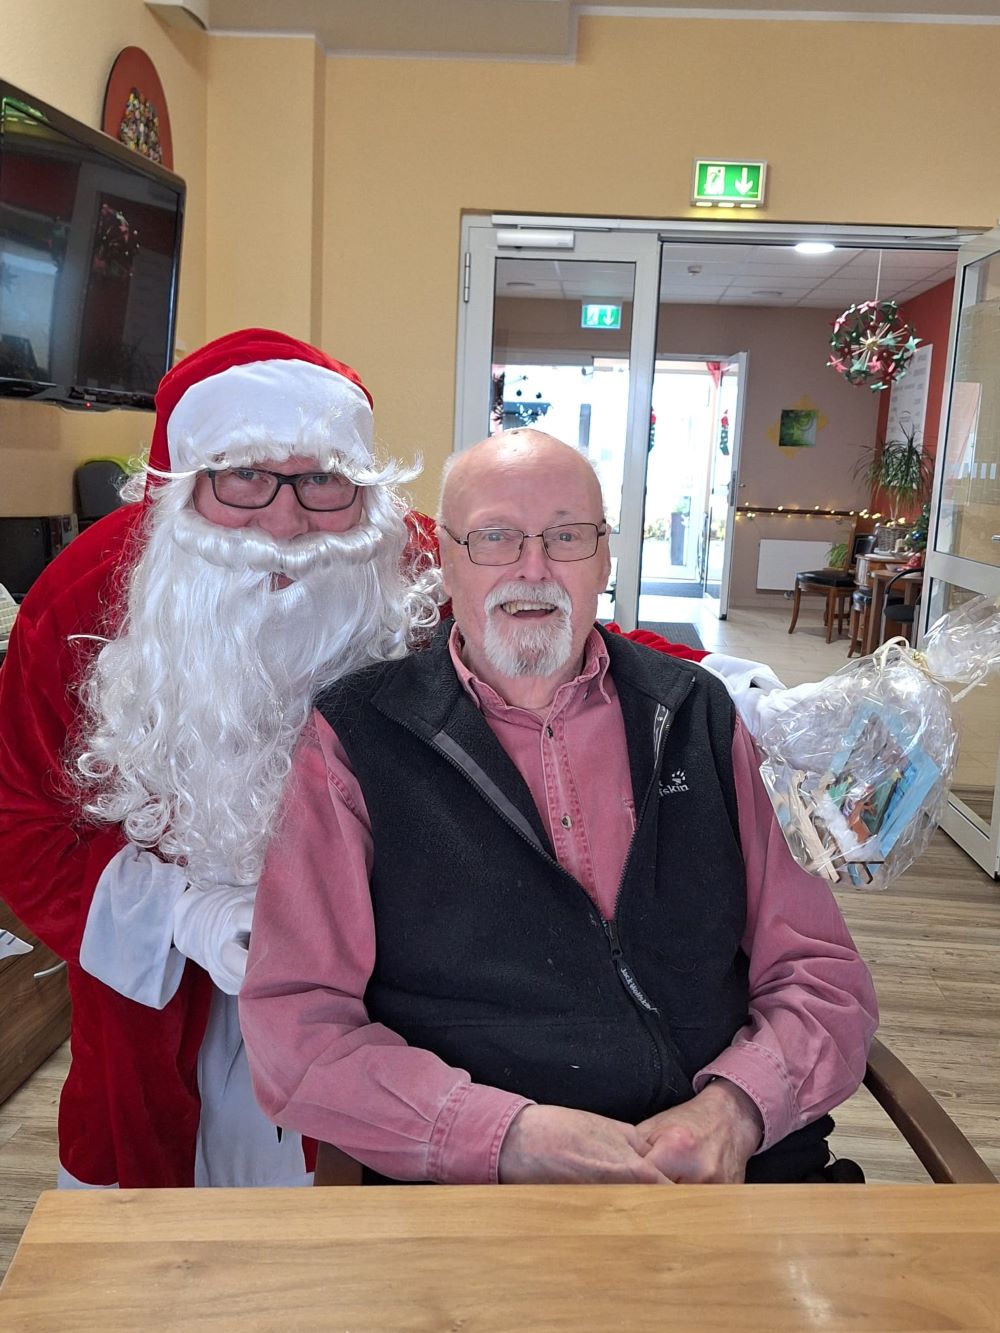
(90, 235)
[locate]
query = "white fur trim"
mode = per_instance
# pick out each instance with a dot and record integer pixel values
(270, 410)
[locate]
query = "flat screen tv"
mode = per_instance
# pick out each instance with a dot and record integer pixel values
(90, 239)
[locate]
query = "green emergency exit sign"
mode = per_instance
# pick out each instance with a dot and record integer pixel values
(731, 184)
(601, 317)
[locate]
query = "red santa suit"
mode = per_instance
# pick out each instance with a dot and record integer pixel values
(130, 1109)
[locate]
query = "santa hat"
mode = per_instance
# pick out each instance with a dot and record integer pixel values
(258, 394)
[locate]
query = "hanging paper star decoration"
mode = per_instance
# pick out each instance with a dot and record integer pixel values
(871, 344)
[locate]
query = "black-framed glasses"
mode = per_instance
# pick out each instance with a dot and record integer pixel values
(256, 487)
(503, 546)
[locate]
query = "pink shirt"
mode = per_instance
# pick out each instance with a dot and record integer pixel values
(322, 1068)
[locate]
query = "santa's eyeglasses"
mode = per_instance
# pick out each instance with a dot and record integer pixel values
(256, 487)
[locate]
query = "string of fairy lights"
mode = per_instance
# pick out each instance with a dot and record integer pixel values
(817, 511)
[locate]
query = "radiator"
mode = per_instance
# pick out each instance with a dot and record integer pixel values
(779, 561)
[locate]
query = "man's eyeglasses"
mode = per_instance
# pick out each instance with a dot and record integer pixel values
(503, 546)
(255, 488)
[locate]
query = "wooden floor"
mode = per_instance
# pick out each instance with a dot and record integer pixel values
(932, 941)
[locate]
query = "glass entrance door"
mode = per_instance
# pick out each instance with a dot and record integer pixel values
(723, 472)
(559, 336)
(964, 553)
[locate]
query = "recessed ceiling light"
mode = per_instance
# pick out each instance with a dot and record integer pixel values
(515, 283)
(814, 247)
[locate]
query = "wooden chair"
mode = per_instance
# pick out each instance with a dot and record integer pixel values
(836, 585)
(944, 1151)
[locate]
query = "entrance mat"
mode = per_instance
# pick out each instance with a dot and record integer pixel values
(674, 632)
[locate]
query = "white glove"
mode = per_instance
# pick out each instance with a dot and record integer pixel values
(212, 927)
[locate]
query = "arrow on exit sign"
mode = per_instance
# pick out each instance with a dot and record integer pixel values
(732, 183)
(601, 317)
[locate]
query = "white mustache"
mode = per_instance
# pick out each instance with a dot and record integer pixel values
(252, 549)
(517, 591)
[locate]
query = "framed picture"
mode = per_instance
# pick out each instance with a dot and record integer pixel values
(797, 429)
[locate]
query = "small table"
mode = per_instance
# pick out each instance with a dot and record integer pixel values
(879, 579)
(704, 1258)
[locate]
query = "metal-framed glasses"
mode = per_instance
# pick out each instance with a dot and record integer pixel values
(503, 546)
(256, 487)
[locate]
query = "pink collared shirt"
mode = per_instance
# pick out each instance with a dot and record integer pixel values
(321, 1067)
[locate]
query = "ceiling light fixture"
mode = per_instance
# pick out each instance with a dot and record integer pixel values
(814, 247)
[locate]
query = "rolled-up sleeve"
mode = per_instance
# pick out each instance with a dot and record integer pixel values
(813, 1010)
(319, 1065)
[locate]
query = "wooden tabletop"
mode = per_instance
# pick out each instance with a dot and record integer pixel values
(744, 1259)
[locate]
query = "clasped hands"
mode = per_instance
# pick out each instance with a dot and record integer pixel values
(707, 1140)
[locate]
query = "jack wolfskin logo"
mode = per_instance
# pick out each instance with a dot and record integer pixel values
(678, 782)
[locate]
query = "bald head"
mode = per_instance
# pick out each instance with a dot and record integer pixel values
(531, 455)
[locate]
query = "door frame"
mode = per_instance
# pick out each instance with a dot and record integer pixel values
(958, 821)
(482, 245)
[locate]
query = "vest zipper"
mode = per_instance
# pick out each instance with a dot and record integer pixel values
(625, 974)
(662, 722)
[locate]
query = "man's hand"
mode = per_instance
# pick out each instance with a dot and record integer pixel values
(212, 927)
(707, 1140)
(553, 1145)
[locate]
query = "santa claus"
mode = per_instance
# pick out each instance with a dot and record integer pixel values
(158, 675)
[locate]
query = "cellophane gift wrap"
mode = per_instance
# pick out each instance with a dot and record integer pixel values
(858, 766)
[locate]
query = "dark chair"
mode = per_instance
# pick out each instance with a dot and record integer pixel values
(897, 612)
(943, 1150)
(98, 484)
(836, 585)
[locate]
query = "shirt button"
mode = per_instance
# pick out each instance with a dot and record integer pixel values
(566, 821)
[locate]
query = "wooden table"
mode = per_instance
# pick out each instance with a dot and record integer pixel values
(739, 1259)
(878, 580)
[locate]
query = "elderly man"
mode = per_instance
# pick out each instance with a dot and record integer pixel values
(565, 940)
(158, 676)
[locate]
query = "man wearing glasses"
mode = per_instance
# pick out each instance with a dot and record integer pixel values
(565, 940)
(158, 676)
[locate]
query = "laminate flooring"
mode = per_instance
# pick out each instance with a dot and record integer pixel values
(932, 941)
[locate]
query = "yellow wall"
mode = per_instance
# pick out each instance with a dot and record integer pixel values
(62, 53)
(325, 195)
(265, 164)
(411, 143)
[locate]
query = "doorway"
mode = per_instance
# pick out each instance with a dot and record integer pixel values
(601, 297)
(690, 474)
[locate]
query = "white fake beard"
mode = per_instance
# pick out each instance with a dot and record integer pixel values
(195, 709)
(534, 648)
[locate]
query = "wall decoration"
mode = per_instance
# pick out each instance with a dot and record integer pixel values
(135, 108)
(871, 344)
(797, 428)
(908, 400)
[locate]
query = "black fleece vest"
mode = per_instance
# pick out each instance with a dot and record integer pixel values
(491, 955)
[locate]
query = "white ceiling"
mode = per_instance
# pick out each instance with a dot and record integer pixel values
(726, 274)
(515, 29)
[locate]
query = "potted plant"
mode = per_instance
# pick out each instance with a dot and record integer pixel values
(899, 469)
(836, 557)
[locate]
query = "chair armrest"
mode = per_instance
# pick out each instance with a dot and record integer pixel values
(334, 1167)
(943, 1149)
